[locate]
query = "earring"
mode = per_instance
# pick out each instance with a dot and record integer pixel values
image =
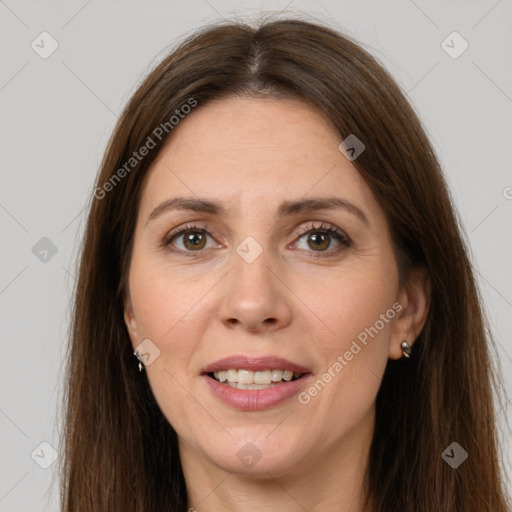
(136, 354)
(406, 349)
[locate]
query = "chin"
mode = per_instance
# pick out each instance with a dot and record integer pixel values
(259, 455)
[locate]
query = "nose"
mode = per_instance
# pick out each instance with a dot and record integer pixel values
(256, 298)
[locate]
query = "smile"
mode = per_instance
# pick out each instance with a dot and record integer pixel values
(255, 384)
(249, 379)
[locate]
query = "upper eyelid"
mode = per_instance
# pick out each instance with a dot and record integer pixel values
(298, 231)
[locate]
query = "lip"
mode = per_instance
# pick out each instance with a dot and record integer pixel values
(255, 399)
(255, 364)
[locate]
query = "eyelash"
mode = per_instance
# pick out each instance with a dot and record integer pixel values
(323, 228)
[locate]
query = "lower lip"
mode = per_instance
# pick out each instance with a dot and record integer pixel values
(255, 399)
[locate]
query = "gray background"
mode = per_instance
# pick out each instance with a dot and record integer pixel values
(57, 114)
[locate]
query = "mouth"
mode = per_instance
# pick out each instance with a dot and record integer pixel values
(253, 384)
(250, 379)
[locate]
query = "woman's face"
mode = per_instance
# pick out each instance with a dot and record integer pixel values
(240, 277)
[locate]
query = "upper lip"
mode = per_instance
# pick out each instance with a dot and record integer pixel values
(255, 364)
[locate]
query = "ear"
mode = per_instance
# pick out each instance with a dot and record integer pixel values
(130, 320)
(414, 297)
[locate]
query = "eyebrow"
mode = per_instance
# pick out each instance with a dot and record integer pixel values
(286, 208)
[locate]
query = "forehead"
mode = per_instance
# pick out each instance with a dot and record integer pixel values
(252, 153)
(251, 134)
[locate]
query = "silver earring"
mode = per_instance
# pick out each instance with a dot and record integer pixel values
(136, 354)
(406, 349)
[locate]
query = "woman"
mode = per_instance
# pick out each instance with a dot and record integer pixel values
(275, 308)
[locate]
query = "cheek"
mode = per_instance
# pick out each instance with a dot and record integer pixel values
(168, 313)
(164, 301)
(348, 305)
(357, 316)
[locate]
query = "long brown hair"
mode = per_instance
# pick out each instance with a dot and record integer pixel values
(121, 454)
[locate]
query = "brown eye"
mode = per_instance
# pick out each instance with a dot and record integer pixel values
(319, 241)
(187, 239)
(194, 240)
(320, 238)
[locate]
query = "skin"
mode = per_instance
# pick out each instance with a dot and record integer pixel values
(251, 154)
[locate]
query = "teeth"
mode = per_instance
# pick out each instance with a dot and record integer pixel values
(248, 379)
(287, 375)
(263, 377)
(245, 377)
(277, 375)
(238, 385)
